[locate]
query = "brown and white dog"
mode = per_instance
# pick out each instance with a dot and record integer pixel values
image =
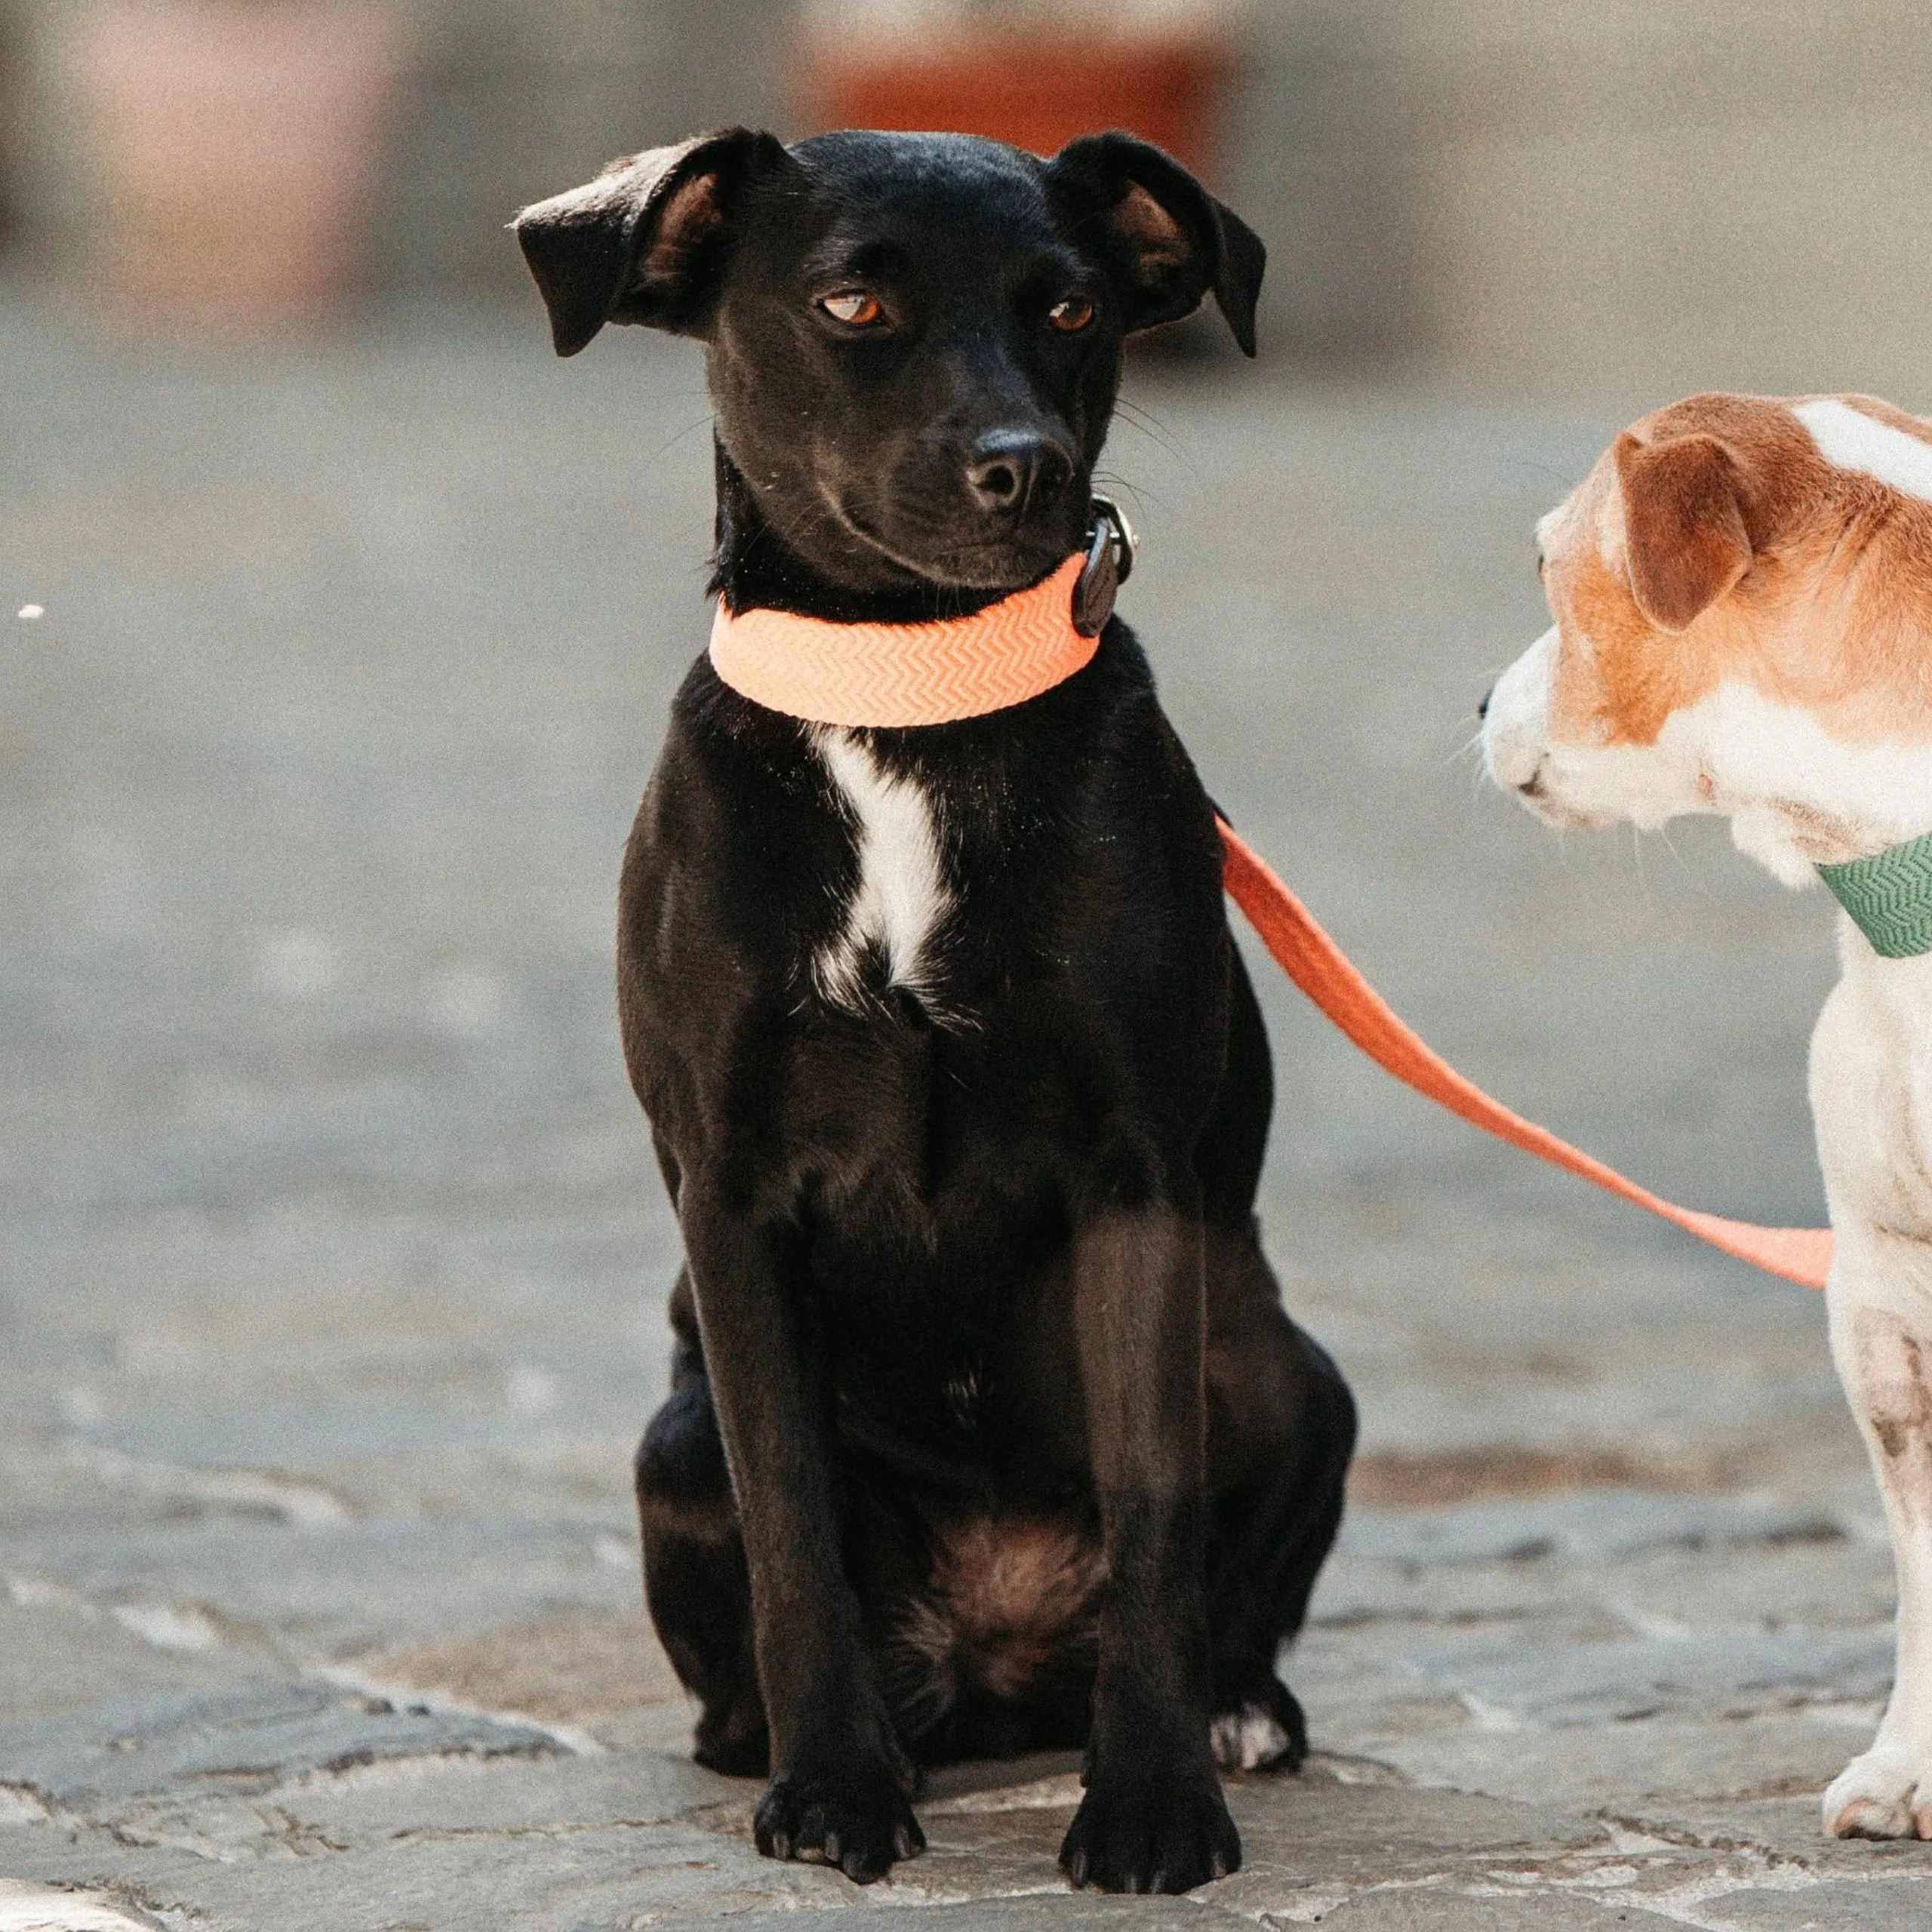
(1742, 589)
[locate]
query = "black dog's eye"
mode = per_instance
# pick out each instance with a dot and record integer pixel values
(1071, 315)
(854, 307)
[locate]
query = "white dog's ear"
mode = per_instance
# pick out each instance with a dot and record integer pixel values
(645, 241)
(1684, 532)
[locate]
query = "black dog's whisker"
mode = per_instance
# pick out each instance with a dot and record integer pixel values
(1138, 493)
(1155, 430)
(706, 421)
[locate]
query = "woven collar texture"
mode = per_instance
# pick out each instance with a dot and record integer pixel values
(932, 673)
(1889, 897)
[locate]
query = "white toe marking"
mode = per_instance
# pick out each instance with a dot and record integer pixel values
(1852, 440)
(1246, 1738)
(901, 895)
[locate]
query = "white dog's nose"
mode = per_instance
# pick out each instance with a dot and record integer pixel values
(1515, 715)
(1512, 765)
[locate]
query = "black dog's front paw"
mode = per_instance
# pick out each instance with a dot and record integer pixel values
(856, 1819)
(1150, 1834)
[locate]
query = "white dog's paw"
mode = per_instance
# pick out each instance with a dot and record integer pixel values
(1885, 1794)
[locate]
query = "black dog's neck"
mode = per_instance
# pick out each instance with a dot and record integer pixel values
(753, 568)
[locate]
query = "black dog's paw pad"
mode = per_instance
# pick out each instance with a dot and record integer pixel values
(859, 1821)
(1150, 1839)
(1267, 1734)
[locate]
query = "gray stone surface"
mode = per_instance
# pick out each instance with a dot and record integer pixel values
(1604, 1523)
(1640, 1677)
(233, 1741)
(1883, 1905)
(332, 1261)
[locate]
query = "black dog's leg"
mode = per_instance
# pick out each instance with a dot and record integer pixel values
(695, 1579)
(1282, 1427)
(1153, 1818)
(840, 1782)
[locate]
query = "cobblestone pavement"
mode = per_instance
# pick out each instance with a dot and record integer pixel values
(330, 1292)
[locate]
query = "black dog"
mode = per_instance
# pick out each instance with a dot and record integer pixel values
(988, 1432)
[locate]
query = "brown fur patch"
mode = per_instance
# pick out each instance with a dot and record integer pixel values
(692, 215)
(1832, 613)
(1006, 1601)
(1160, 242)
(1684, 532)
(1892, 1391)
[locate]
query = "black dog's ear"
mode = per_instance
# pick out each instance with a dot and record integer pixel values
(1168, 238)
(646, 241)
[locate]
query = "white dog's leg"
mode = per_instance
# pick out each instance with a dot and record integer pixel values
(1881, 1340)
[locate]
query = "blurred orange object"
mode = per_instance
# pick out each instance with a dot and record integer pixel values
(233, 146)
(1036, 89)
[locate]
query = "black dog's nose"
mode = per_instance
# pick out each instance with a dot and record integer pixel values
(1014, 469)
(1482, 705)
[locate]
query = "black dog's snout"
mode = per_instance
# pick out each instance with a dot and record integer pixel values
(1482, 704)
(1013, 470)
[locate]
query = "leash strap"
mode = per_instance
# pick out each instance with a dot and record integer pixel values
(1026, 644)
(1327, 975)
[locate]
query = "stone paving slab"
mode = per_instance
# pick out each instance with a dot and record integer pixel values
(1882, 1905)
(1029, 1913)
(1615, 1768)
(44, 1908)
(58, 1656)
(600, 1878)
(1722, 1671)
(341, 1590)
(1606, 1523)
(453, 1793)
(231, 1741)
(1437, 1908)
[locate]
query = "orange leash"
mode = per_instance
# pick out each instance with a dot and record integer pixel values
(1324, 973)
(966, 667)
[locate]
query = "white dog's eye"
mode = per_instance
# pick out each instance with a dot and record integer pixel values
(854, 307)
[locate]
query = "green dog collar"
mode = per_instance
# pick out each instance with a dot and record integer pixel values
(1889, 897)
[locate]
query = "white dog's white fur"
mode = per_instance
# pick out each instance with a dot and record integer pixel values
(1771, 702)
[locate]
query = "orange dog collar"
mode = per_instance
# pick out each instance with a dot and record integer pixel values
(905, 674)
(935, 673)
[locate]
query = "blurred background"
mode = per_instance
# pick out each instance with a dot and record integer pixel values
(1538, 192)
(348, 617)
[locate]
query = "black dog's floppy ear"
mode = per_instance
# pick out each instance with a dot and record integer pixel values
(645, 242)
(1169, 239)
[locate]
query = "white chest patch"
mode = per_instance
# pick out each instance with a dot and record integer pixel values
(901, 895)
(1851, 440)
